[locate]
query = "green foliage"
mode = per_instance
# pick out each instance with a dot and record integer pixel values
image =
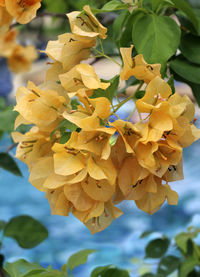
(56, 6)
(190, 48)
(99, 271)
(2, 103)
(168, 264)
(27, 231)
(157, 248)
(22, 268)
(119, 24)
(7, 119)
(139, 94)
(113, 5)
(186, 262)
(187, 70)
(160, 40)
(171, 83)
(9, 164)
(110, 91)
(65, 127)
(186, 8)
(79, 258)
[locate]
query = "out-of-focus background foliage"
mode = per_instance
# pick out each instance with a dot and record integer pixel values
(120, 244)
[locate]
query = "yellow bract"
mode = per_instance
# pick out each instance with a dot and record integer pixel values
(23, 10)
(78, 153)
(137, 67)
(41, 107)
(22, 58)
(82, 76)
(85, 24)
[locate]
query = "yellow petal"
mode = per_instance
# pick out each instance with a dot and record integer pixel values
(172, 196)
(98, 190)
(38, 176)
(75, 194)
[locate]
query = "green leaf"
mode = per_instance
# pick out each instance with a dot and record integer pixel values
(190, 48)
(9, 164)
(195, 87)
(187, 9)
(22, 268)
(171, 83)
(65, 137)
(119, 23)
(187, 70)
(160, 39)
(168, 264)
(2, 103)
(185, 23)
(139, 94)
(187, 266)
(110, 91)
(56, 6)
(63, 126)
(27, 231)
(112, 6)
(148, 275)
(7, 119)
(115, 272)
(79, 258)
(157, 248)
(182, 238)
(126, 36)
(98, 271)
(74, 104)
(2, 224)
(146, 234)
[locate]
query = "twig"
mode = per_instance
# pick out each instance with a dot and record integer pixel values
(11, 147)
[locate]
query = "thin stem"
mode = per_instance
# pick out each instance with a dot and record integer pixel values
(128, 98)
(101, 45)
(11, 147)
(107, 57)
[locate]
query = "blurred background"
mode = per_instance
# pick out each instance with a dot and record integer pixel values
(119, 244)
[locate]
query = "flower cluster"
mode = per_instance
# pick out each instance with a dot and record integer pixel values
(83, 161)
(23, 11)
(19, 58)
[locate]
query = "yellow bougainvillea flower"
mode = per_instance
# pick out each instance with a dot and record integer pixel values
(58, 202)
(23, 10)
(22, 58)
(89, 118)
(174, 172)
(137, 67)
(157, 157)
(37, 176)
(152, 201)
(191, 132)
(32, 146)
(181, 106)
(130, 179)
(85, 24)
(41, 106)
(69, 50)
(96, 142)
(7, 43)
(98, 224)
(68, 161)
(82, 76)
(157, 91)
(5, 19)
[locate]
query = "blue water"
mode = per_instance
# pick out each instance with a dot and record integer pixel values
(117, 244)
